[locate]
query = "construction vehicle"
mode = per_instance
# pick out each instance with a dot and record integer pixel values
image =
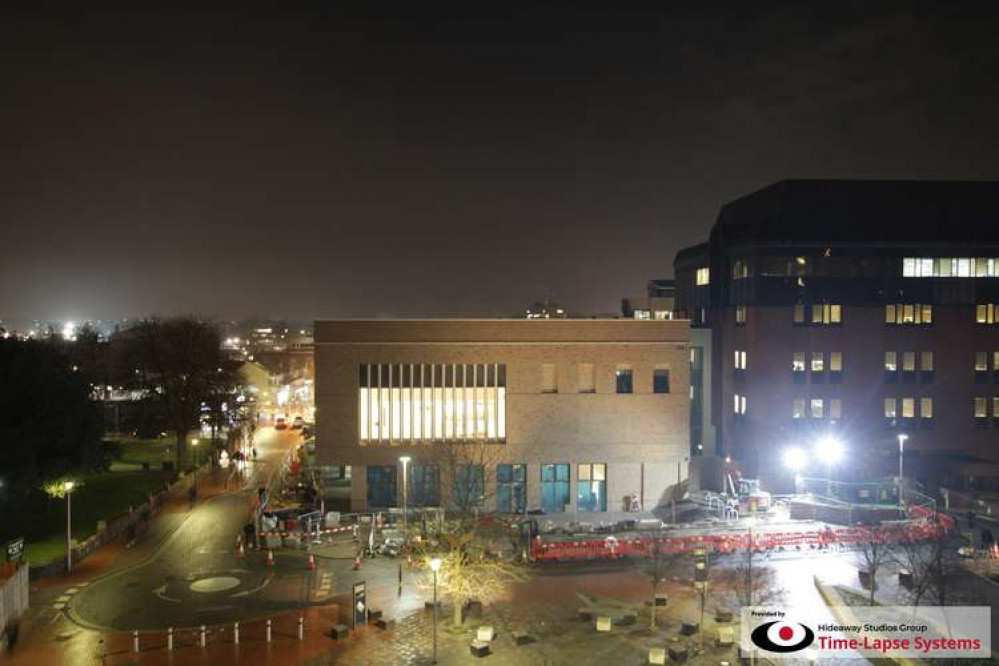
(747, 493)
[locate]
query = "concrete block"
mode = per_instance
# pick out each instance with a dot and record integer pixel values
(585, 614)
(726, 636)
(723, 615)
(678, 654)
(657, 656)
(479, 648)
(374, 614)
(385, 624)
(689, 628)
(662, 600)
(485, 633)
(603, 624)
(521, 638)
(628, 619)
(339, 632)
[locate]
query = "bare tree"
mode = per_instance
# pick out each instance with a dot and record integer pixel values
(469, 570)
(661, 562)
(467, 476)
(875, 550)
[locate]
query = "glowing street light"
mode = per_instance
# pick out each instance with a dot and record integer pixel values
(794, 459)
(830, 451)
(901, 486)
(67, 487)
(405, 492)
(194, 443)
(435, 565)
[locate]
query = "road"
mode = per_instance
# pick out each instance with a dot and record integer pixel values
(193, 576)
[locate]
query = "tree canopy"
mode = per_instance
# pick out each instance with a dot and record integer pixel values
(49, 426)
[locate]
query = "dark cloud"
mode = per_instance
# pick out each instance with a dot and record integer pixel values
(361, 158)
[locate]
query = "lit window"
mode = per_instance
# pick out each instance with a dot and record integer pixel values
(908, 361)
(995, 407)
(908, 408)
(835, 361)
(817, 408)
(702, 276)
(995, 360)
(826, 313)
(926, 408)
(981, 408)
(926, 361)
(981, 361)
(835, 408)
(642, 314)
(798, 409)
(661, 315)
(818, 362)
(799, 313)
(985, 313)
(591, 487)
(798, 362)
(891, 361)
(891, 407)
(586, 384)
(909, 313)
(739, 404)
(740, 314)
(740, 360)
(740, 269)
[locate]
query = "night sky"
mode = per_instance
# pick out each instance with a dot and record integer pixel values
(370, 159)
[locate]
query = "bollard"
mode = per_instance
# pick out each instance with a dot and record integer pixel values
(268, 631)
(135, 640)
(301, 628)
(170, 638)
(202, 635)
(235, 633)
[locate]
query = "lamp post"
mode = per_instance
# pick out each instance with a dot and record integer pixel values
(67, 486)
(901, 486)
(194, 443)
(405, 493)
(435, 565)
(829, 450)
(794, 459)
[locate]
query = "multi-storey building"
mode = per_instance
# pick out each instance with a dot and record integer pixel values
(862, 310)
(568, 415)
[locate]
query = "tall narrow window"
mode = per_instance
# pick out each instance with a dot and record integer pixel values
(798, 362)
(818, 362)
(908, 361)
(586, 382)
(624, 380)
(835, 408)
(548, 380)
(798, 408)
(511, 488)
(740, 359)
(740, 314)
(981, 361)
(981, 408)
(591, 487)
(554, 488)
(926, 361)
(835, 361)
(926, 408)
(702, 276)
(660, 380)
(986, 313)
(798, 313)
(817, 408)
(908, 408)
(891, 361)
(891, 408)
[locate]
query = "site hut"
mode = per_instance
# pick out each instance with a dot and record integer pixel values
(583, 419)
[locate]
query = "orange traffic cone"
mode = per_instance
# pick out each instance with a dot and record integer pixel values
(312, 562)
(270, 558)
(357, 563)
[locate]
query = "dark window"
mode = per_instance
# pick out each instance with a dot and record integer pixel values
(660, 381)
(624, 380)
(469, 486)
(511, 488)
(554, 487)
(381, 486)
(424, 485)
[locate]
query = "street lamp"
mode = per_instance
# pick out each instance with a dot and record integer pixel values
(830, 451)
(405, 492)
(794, 459)
(901, 486)
(435, 565)
(67, 486)
(194, 443)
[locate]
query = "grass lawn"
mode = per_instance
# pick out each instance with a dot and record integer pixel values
(135, 452)
(99, 497)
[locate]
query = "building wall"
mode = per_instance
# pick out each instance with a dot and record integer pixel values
(641, 437)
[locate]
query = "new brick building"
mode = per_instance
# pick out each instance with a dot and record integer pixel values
(574, 415)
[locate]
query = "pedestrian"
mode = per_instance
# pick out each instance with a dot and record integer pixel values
(254, 450)
(971, 520)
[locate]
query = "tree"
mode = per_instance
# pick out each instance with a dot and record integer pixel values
(467, 475)
(661, 561)
(180, 361)
(469, 570)
(49, 426)
(875, 550)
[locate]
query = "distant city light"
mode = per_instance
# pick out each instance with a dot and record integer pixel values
(69, 331)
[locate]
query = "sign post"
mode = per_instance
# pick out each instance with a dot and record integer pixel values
(360, 605)
(15, 550)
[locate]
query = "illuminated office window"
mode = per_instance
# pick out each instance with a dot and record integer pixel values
(981, 407)
(909, 314)
(817, 408)
(798, 362)
(981, 361)
(908, 408)
(891, 408)
(431, 402)
(818, 362)
(926, 408)
(798, 408)
(702, 276)
(891, 361)
(835, 361)
(986, 313)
